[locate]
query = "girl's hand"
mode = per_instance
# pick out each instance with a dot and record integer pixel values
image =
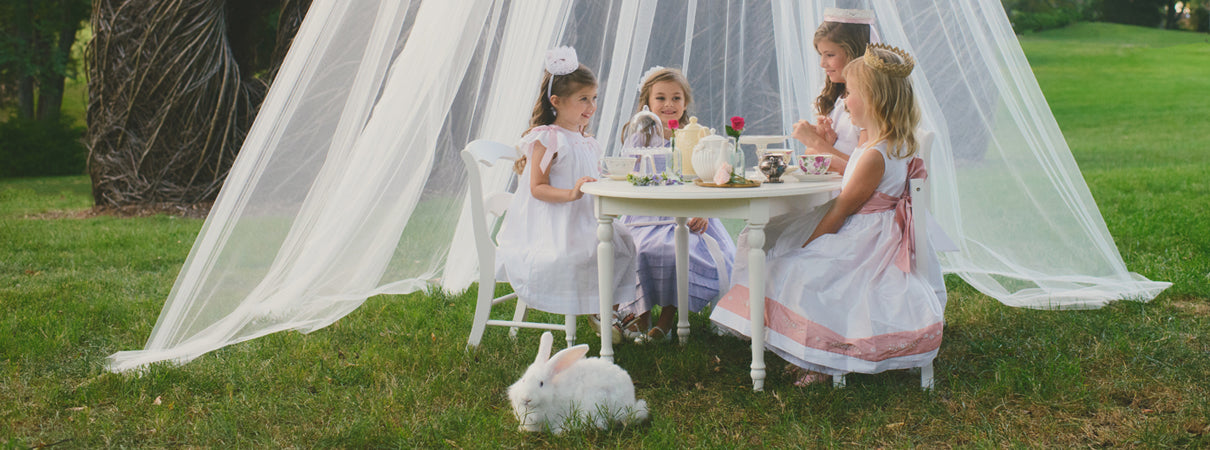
(576, 193)
(698, 224)
(825, 129)
(806, 133)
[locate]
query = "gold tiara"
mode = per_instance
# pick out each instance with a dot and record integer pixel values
(893, 69)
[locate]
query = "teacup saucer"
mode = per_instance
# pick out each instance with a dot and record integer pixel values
(825, 177)
(617, 177)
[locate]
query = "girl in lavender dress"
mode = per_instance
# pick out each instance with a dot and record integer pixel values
(666, 93)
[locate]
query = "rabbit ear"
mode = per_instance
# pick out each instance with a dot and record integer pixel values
(544, 346)
(566, 358)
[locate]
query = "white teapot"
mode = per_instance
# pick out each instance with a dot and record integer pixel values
(711, 152)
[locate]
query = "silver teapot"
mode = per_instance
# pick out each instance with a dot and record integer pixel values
(773, 165)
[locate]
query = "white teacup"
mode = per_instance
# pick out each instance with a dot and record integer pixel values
(617, 166)
(814, 164)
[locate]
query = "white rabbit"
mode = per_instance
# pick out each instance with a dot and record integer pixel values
(569, 387)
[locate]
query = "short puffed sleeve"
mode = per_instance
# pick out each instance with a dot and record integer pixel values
(549, 136)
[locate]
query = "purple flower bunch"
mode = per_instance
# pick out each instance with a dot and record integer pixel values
(659, 179)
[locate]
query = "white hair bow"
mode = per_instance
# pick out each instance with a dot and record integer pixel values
(560, 61)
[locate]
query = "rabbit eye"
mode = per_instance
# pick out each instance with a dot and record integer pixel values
(540, 384)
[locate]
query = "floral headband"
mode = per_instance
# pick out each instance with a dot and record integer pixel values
(560, 61)
(647, 75)
(896, 70)
(859, 16)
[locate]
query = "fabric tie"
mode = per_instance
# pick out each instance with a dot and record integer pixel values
(902, 205)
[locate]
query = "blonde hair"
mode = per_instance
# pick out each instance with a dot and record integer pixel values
(544, 110)
(890, 102)
(850, 37)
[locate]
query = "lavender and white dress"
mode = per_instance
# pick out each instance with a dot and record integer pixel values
(843, 303)
(548, 251)
(711, 257)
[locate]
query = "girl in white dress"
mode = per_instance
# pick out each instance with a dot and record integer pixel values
(666, 93)
(838, 40)
(548, 243)
(841, 293)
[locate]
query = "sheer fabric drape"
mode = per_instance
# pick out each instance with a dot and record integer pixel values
(349, 184)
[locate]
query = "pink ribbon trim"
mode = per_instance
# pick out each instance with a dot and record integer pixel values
(902, 205)
(786, 322)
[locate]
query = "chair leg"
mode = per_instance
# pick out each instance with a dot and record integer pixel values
(570, 320)
(838, 381)
(483, 309)
(926, 377)
(518, 316)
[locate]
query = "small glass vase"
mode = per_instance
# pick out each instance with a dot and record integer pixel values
(736, 158)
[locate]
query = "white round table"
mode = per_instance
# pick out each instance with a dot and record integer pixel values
(755, 205)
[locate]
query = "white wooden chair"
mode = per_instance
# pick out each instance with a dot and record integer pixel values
(488, 154)
(920, 205)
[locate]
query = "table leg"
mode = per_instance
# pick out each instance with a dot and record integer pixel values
(756, 301)
(682, 279)
(605, 283)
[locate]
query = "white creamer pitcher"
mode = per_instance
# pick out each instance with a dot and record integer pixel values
(711, 152)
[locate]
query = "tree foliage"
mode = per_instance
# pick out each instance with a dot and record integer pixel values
(1148, 13)
(1037, 15)
(174, 86)
(35, 54)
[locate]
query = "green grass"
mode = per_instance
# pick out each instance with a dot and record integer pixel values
(1132, 104)
(394, 373)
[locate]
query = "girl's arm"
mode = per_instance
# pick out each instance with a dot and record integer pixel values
(860, 187)
(806, 133)
(539, 181)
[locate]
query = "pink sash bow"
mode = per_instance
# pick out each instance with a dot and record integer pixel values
(902, 205)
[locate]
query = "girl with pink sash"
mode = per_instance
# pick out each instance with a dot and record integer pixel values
(841, 295)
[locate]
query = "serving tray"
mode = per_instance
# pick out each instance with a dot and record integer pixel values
(701, 183)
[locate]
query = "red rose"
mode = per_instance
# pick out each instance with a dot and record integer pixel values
(737, 123)
(674, 124)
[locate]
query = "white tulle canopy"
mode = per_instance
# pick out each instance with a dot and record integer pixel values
(350, 185)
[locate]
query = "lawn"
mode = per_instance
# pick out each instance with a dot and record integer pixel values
(395, 373)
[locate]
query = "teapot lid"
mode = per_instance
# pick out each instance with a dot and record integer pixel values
(692, 124)
(712, 137)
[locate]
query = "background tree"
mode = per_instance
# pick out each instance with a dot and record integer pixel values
(173, 88)
(36, 38)
(1148, 13)
(35, 53)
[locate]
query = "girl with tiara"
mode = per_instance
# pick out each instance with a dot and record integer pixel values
(666, 93)
(841, 38)
(841, 293)
(547, 243)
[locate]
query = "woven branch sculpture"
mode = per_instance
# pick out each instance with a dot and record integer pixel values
(168, 103)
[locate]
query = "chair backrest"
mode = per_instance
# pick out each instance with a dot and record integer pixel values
(920, 207)
(487, 154)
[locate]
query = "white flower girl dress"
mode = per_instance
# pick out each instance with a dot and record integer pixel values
(842, 304)
(548, 251)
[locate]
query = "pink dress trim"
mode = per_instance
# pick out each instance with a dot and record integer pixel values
(786, 322)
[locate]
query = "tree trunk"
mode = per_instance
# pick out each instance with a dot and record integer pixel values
(50, 86)
(25, 97)
(1170, 16)
(25, 79)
